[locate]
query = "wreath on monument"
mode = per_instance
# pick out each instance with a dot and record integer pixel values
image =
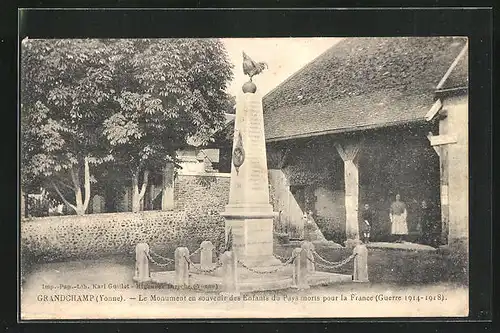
(238, 153)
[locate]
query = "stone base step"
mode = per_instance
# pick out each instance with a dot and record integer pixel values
(258, 282)
(405, 246)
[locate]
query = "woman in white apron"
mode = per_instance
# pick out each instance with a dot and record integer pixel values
(397, 216)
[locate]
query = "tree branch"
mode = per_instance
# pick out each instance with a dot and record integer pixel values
(66, 185)
(74, 177)
(62, 197)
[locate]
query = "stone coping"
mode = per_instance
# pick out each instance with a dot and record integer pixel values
(405, 246)
(206, 174)
(249, 215)
(266, 282)
(320, 244)
(103, 215)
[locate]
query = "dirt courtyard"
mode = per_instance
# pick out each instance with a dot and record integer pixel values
(104, 289)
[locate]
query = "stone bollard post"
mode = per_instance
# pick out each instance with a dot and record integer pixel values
(142, 263)
(360, 264)
(181, 266)
(308, 248)
(229, 267)
(206, 255)
(299, 278)
(303, 272)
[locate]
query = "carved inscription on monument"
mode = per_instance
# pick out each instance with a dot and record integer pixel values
(257, 179)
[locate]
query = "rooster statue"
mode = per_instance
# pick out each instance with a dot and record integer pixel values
(252, 68)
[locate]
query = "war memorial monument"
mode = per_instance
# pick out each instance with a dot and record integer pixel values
(249, 264)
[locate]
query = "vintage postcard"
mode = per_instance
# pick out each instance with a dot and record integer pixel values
(244, 178)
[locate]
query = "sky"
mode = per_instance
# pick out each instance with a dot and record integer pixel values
(284, 56)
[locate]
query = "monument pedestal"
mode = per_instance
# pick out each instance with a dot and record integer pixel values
(252, 234)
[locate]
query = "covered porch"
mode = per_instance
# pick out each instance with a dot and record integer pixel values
(333, 176)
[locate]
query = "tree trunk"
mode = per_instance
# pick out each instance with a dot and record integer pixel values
(167, 199)
(136, 202)
(78, 191)
(137, 195)
(86, 184)
(81, 202)
(81, 199)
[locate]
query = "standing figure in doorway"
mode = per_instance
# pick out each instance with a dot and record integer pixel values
(397, 215)
(427, 224)
(367, 216)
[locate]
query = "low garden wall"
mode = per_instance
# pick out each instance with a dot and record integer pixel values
(97, 235)
(199, 199)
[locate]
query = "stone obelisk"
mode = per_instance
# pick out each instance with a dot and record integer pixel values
(249, 215)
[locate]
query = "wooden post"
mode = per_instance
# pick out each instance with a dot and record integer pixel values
(167, 199)
(348, 153)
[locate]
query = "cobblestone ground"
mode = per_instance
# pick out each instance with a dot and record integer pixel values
(103, 288)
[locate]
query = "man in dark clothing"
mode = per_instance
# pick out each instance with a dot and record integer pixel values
(367, 216)
(427, 224)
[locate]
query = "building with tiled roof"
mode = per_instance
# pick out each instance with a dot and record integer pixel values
(352, 127)
(361, 83)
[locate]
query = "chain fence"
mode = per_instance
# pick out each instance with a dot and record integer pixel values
(166, 259)
(280, 257)
(311, 259)
(204, 271)
(169, 261)
(320, 262)
(280, 267)
(160, 256)
(329, 264)
(324, 261)
(195, 252)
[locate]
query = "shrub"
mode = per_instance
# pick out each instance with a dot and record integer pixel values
(282, 238)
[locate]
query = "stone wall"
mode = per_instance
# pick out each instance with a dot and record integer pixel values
(318, 169)
(201, 193)
(96, 235)
(202, 197)
(199, 199)
(284, 202)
